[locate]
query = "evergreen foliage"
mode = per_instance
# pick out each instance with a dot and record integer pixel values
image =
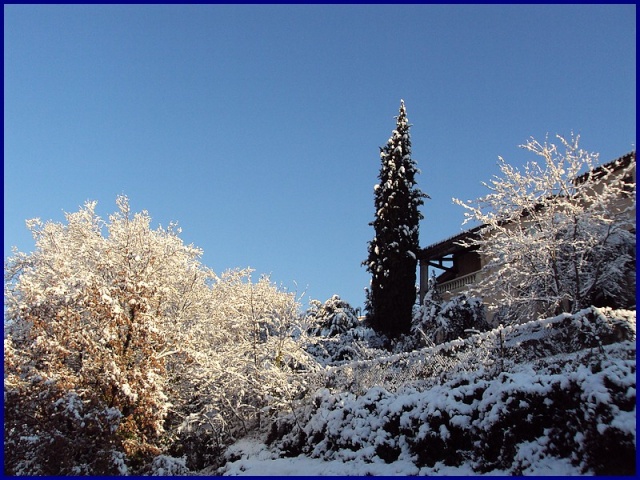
(335, 334)
(392, 252)
(332, 318)
(438, 321)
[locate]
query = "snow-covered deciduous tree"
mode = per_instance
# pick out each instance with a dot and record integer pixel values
(558, 235)
(246, 362)
(123, 354)
(392, 252)
(91, 324)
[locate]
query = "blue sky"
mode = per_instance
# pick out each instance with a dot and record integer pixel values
(257, 128)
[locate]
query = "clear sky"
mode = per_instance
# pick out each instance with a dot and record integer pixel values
(257, 128)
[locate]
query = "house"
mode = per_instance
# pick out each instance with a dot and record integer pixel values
(456, 267)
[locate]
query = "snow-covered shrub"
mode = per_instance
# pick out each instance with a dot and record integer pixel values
(492, 351)
(246, 363)
(336, 335)
(332, 318)
(50, 429)
(590, 329)
(575, 409)
(354, 344)
(439, 321)
(165, 466)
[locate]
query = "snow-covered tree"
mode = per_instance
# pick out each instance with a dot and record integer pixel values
(246, 362)
(438, 321)
(392, 252)
(91, 324)
(124, 354)
(558, 235)
(336, 334)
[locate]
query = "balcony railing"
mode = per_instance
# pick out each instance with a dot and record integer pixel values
(457, 283)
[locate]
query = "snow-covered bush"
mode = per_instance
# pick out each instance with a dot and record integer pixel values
(438, 321)
(246, 364)
(332, 318)
(355, 344)
(568, 405)
(165, 466)
(336, 335)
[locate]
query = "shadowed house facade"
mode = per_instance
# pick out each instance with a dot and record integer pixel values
(457, 267)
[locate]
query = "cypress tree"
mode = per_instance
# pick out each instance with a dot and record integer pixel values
(392, 252)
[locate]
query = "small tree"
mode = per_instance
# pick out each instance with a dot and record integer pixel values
(392, 252)
(245, 356)
(559, 235)
(332, 318)
(336, 335)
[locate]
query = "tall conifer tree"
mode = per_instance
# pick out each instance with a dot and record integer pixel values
(392, 252)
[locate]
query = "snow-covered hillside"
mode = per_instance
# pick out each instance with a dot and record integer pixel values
(550, 397)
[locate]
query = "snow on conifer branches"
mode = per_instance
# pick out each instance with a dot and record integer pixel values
(392, 252)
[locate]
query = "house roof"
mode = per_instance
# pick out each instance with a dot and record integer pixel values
(448, 245)
(617, 164)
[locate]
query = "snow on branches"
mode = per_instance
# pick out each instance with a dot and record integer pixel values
(392, 252)
(558, 235)
(121, 348)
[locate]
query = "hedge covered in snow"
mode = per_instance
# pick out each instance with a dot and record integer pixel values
(559, 390)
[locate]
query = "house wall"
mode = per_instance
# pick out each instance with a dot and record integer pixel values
(467, 262)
